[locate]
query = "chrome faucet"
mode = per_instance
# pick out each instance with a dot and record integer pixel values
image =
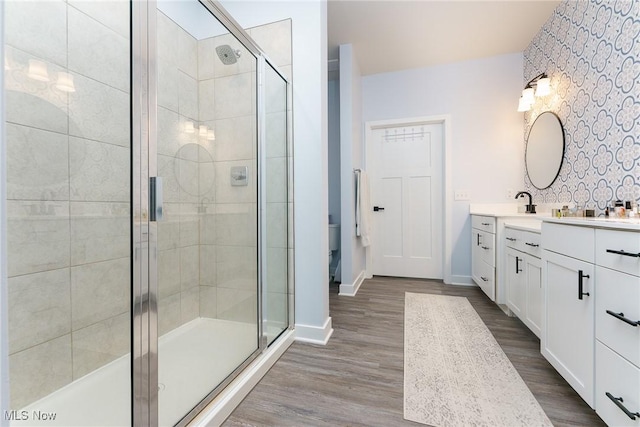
(531, 208)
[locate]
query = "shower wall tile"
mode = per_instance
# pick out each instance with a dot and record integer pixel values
(168, 33)
(206, 58)
(237, 267)
(41, 308)
(208, 225)
(277, 225)
(275, 39)
(234, 96)
(208, 264)
(189, 267)
(190, 304)
(30, 20)
(227, 193)
(189, 225)
(169, 227)
(276, 175)
(168, 88)
(37, 164)
(169, 172)
(237, 305)
(97, 52)
(168, 313)
(168, 272)
(276, 134)
(113, 14)
(99, 344)
(168, 131)
(99, 231)
(98, 171)
(40, 370)
(99, 112)
(37, 236)
(187, 96)
(275, 93)
(236, 224)
(99, 291)
(206, 181)
(235, 138)
(245, 64)
(277, 270)
(208, 302)
(276, 310)
(187, 175)
(188, 53)
(206, 97)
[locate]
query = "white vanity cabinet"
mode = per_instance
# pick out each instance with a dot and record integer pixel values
(569, 299)
(617, 312)
(523, 276)
(483, 253)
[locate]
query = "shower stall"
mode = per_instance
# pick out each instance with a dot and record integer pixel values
(149, 208)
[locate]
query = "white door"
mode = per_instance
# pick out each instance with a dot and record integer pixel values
(406, 179)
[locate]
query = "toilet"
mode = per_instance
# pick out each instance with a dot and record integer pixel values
(334, 243)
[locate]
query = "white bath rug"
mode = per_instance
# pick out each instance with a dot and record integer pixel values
(455, 373)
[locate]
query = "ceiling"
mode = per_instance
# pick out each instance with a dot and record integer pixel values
(392, 35)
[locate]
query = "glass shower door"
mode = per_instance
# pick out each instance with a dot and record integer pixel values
(207, 241)
(67, 68)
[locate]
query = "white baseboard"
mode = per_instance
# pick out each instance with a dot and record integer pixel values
(222, 406)
(462, 281)
(351, 289)
(314, 334)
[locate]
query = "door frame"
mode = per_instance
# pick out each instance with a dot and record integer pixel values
(445, 121)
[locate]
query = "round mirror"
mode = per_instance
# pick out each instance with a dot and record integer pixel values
(545, 150)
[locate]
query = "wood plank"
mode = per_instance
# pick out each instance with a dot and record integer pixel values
(357, 378)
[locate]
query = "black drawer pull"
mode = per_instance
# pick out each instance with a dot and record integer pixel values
(486, 223)
(532, 244)
(511, 239)
(631, 254)
(484, 278)
(581, 276)
(518, 270)
(620, 316)
(478, 239)
(618, 401)
(485, 247)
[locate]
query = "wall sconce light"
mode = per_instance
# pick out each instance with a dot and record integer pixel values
(65, 82)
(211, 136)
(7, 60)
(38, 70)
(542, 88)
(202, 130)
(188, 127)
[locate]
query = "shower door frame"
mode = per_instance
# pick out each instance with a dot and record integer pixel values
(144, 241)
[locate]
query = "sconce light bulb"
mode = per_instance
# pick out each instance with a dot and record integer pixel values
(523, 105)
(65, 82)
(528, 95)
(188, 127)
(211, 136)
(202, 130)
(543, 88)
(38, 70)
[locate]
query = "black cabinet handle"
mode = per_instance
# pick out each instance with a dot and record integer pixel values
(478, 239)
(621, 252)
(511, 239)
(377, 208)
(486, 223)
(581, 276)
(618, 401)
(484, 278)
(532, 244)
(518, 270)
(620, 316)
(485, 247)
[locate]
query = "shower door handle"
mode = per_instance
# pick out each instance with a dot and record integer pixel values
(155, 199)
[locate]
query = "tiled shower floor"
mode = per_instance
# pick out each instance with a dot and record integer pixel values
(193, 359)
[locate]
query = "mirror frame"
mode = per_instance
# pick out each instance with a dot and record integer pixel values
(564, 147)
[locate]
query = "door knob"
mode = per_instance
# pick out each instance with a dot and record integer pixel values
(377, 208)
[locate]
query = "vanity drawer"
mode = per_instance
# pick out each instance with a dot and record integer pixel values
(572, 241)
(487, 276)
(524, 241)
(618, 293)
(626, 243)
(485, 223)
(486, 243)
(620, 379)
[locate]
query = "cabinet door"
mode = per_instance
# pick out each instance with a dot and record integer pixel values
(568, 321)
(515, 281)
(533, 275)
(476, 255)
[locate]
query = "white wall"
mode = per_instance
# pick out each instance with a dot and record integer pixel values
(351, 157)
(481, 97)
(309, 44)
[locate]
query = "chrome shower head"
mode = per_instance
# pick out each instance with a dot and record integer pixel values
(227, 55)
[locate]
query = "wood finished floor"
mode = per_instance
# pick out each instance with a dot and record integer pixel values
(357, 378)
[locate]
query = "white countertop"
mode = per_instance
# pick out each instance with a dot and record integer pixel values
(534, 225)
(630, 224)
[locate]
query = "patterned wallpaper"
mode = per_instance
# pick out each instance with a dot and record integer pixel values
(591, 52)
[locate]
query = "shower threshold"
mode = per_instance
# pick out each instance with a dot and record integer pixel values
(193, 359)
